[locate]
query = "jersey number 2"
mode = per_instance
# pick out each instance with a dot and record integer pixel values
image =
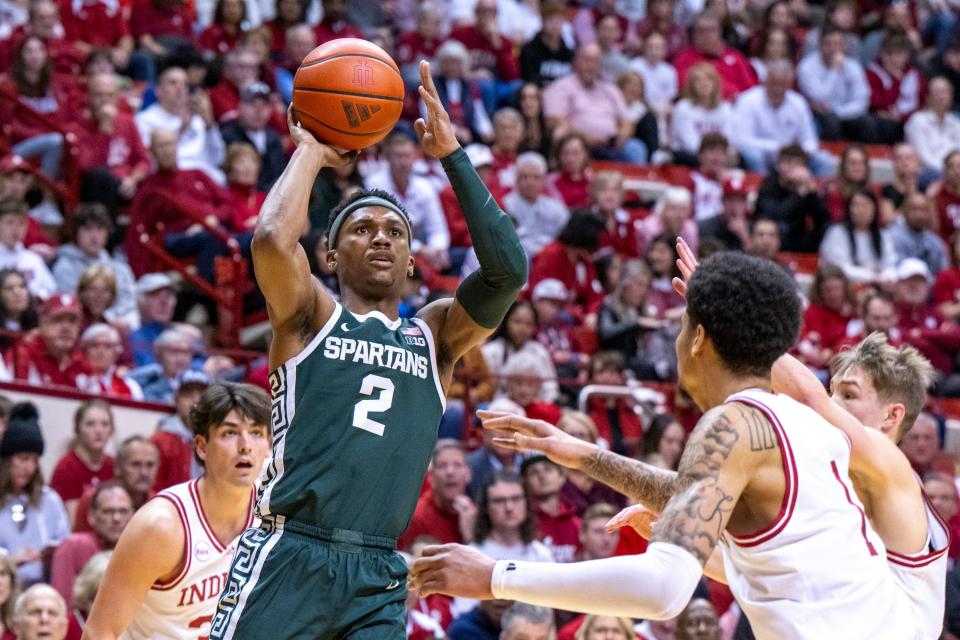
(381, 403)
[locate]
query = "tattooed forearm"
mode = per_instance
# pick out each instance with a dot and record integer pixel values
(696, 517)
(650, 486)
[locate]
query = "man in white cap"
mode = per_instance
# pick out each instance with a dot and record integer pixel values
(923, 326)
(158, 300)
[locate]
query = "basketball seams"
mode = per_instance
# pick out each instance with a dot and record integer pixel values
(393, 67)
(347, 93)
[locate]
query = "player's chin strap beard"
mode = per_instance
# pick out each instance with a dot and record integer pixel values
(366, 201)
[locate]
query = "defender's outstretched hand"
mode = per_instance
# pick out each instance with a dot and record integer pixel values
(523, 434)
(453, 570)
(437, 136)
(687, 263)
(330, 156)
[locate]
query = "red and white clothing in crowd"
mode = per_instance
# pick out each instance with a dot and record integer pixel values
(824, 328)
(948, 207)
(69, 559)
(735, 71)
(111, 384)
(630, 437)
(934, 336)
(34, 363)
(899, 96)
(246, 203)
(622, 233)
(328, 30)
(575, 193)
(505, 168)
(72, 477)
(707, 195)
(499, 61)
(40, 281)
(150, 17)
(429, 519)
(947, 286)
(560, 532)
(217, 39)
(121, 150)
(98, 23)
(578, 276)
(429, 618)
(412, 47)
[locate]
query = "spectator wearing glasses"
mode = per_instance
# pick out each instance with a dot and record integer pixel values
(102, 346)
(506, 527)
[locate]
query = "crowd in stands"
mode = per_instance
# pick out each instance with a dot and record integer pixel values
(138, 139)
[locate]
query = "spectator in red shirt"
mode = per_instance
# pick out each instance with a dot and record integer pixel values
(482, 160)
(853, 176)
(86, 464)
(243, 166)
(946, 289)
(735, 71)
(826, 320)
(660, 18)
(617, 423)
(569, 260)
(187, 202)
(136, 470)
(877, 313)
(446, 511)
(422, 44)
(240, 68)
(942, 494)
(110, 510)
(946, 193)
(290, 13)
(50, 355)
(111, 153)
(334, 24)
(91, 24)
(45, 98)
(102, 346)
(571, 182)
(159, 27)
(897, 89)
(523, 378)
(44, 22)
(494, 62)
(556, 518)
(222, 36)
(922, 326)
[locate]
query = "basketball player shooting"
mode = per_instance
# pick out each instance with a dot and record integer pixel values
(358, 393)
(762, 475)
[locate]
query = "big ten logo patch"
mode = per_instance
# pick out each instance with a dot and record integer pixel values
(413, 336)
(202, 551)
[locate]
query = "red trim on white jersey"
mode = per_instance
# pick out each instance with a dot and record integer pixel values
(789, 478)
(917, 560)
(182, 513)
(207, 527)
(863, 516)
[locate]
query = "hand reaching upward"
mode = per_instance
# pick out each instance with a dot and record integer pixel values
(437, 136)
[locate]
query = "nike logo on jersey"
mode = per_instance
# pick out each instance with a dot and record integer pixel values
(344, 327)
(393, 585)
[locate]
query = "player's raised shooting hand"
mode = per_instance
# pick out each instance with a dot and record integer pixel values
(523, 434)
(437, 135)
(329, 156)
(687, 263)
(453, 570)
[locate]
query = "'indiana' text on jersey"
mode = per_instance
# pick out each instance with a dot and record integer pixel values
(355, 418)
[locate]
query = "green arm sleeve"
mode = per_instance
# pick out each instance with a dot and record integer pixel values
(486, 294)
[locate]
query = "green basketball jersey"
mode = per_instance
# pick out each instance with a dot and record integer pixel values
(355, 419)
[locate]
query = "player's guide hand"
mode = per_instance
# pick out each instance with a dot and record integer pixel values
(523, 434)
(453, 570)
(437, 135)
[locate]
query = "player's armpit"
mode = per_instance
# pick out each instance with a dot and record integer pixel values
(717, 464)
(455, 333)
(151, 549)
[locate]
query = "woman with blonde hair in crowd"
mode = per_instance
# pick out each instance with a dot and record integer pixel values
(605, 628)
(9, 590)
(700, 110)
(86, 586)
(87, 463)
(581, 490)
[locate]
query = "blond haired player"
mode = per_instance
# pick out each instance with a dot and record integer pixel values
(171, 562)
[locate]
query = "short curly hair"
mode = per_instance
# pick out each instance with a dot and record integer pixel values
(359, 194)
(749, 308)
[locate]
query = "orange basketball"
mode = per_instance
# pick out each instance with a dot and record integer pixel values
(348, 93)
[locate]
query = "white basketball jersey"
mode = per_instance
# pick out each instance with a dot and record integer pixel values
(819, 570)
(922, 576)
(182, 608)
